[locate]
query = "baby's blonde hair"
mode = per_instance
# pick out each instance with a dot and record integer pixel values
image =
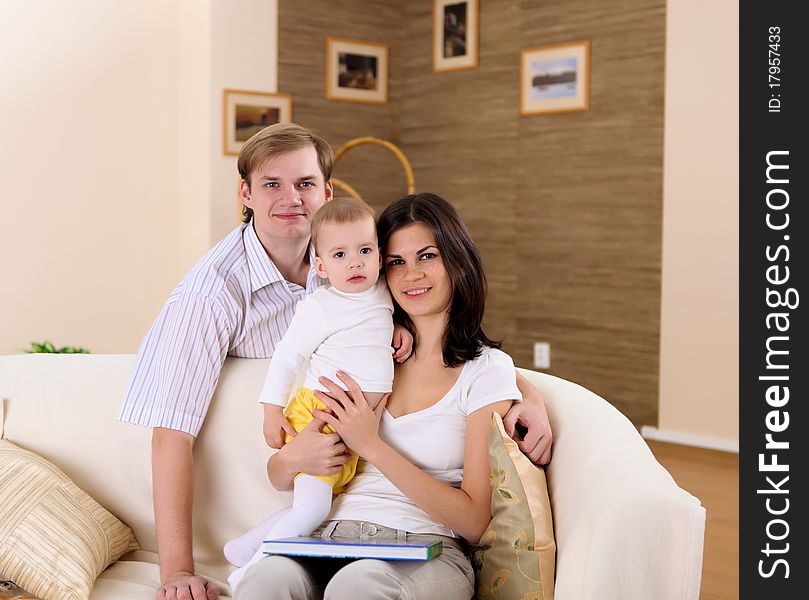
(340, 210)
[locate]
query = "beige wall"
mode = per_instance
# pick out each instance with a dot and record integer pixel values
(223, 44)
(699, 355)
(87, 170)
(112, 179)
(244, 56)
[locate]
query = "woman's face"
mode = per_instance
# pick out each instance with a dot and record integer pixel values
(415, 271)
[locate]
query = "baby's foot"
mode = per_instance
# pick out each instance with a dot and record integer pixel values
(238, 551)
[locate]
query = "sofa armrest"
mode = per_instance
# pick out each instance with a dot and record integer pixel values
(624, 529)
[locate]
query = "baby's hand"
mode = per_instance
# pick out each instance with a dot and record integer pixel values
(275, 424)
(402, 342)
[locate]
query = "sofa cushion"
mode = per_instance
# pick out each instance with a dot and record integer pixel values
(516, 554)
(55, 538)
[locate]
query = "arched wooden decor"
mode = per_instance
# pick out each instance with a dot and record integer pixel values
(367, 139)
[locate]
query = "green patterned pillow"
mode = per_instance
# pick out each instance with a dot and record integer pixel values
(516, 556)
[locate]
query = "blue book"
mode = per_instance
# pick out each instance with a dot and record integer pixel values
(343, 548)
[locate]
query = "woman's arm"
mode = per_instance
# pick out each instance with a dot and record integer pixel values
(467, 510)
(531, 414)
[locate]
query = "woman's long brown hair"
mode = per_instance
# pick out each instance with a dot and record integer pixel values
(464, 336)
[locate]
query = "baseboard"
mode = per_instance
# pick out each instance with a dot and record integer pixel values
(653, 433)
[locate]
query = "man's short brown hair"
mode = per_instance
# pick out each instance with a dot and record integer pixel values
(340, 210)
(279, 139)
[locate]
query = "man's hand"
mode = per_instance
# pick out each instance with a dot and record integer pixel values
(184, 585)
(403, 343)
(537, 444)
(275, 424)
(310, 452)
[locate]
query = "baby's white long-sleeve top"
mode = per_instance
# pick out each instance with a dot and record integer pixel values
(350, 332)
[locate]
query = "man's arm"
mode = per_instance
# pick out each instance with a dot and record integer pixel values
(173, 492)
(531, 414)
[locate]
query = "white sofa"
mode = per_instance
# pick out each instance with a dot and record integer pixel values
(624, 530)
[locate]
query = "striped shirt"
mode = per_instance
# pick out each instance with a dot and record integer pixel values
(233, 302)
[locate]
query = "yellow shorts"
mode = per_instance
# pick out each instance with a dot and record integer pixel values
(300, 412)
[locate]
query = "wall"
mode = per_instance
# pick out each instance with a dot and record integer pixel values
(699, 375)
(566, 208)
(195, 137)
(222, 45)
(87, 170)
(244, 56)
(113, 181)
(303, 28)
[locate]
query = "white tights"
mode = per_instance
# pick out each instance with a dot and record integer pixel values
(311, 503)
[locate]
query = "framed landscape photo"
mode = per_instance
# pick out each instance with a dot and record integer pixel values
(555, 78)
(455, 35)
(356, 70)
(246, 113)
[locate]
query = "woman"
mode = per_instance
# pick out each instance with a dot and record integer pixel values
(425, 472)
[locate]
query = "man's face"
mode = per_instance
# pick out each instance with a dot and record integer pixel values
(284, 194)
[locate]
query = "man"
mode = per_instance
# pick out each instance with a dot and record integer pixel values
(238, 301)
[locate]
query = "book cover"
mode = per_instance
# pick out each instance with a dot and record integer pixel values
(346, 548)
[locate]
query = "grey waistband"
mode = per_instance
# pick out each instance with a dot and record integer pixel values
(359, 529)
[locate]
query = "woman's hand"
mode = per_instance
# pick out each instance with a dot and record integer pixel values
(352, 418)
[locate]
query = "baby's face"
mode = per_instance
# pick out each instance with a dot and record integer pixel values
(348, 255)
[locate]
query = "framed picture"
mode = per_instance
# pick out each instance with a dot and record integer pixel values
(356, 70)
(455, 35)
(247, 113)
(555, 78)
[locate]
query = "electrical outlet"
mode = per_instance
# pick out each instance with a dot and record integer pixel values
(542, 355)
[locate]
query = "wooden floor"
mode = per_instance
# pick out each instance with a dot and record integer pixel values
(713, 477)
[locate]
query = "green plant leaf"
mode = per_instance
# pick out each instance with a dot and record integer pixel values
(48, 347)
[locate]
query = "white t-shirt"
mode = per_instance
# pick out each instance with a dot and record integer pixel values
(433, 440)
(335, 330)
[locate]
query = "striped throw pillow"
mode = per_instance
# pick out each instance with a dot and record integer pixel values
(54, 538)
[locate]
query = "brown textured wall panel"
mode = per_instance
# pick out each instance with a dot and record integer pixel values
(591, 188)
(566, 208)
(303, 27)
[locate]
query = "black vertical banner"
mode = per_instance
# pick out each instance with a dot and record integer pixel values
(773, 195)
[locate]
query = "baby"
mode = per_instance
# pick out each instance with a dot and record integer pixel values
(348, 326)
